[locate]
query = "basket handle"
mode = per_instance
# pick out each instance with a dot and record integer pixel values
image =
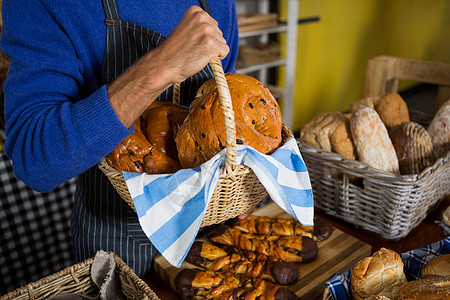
(227, 110)
(228, 114)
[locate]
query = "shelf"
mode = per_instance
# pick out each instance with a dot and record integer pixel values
(257, 67)
(289, 27)
(278, 29)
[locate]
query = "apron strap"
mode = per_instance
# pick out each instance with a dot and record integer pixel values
(205, 6)
(110, 9)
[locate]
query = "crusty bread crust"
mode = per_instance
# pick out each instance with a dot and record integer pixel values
(372, 141)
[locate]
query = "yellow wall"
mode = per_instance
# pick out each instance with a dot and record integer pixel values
(332, 53)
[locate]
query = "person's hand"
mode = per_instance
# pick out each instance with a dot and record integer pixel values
(192, 44)
(246, 214)
(187, 50)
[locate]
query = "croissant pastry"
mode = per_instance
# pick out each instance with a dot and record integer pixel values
(283, 227)
(252, 264)
(287, 248)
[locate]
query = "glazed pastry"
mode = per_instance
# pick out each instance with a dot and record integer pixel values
(287, 248)
(283, 227)
(205, 283)
(224, 285)
(272, 226)
(239, 262)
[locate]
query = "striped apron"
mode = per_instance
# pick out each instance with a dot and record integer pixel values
(101, 219)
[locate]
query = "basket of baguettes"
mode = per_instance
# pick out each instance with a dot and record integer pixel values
(418, 274)
(84, 281)
(229, 109)
(382, 166)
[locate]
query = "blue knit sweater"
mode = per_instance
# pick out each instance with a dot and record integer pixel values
(59, 121)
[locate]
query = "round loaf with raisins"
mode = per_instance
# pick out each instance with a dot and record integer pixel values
(257, 118)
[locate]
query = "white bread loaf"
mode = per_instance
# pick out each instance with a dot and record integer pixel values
(372, 141)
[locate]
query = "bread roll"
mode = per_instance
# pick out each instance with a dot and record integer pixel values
(151, 147)
(363, 102)
(440, 266)
(378, 275)
(372, 141)
(257, 119)
(391, 108)
(413, 146)
(329, 132)
(439, 130)
(446, 216)
(428, 288)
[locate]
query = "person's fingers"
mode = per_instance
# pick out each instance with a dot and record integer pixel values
(246, 214)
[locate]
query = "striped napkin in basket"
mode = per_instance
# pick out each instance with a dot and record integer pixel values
(170, 208)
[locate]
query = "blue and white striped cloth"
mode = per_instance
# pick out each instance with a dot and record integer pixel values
(339, 284)
(171, 207)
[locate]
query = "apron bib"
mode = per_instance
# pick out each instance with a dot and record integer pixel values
(101, 219)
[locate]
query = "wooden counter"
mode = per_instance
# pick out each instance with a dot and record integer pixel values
(427, 232)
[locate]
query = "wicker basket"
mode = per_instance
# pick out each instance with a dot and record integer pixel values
(374, 200)
(77, 279)
(238, 189)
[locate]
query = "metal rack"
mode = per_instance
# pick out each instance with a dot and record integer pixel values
(289, 61)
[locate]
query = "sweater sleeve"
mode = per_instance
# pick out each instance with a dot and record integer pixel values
(229, 63)
(54, 131)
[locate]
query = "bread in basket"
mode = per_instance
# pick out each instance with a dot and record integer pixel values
(238, 189)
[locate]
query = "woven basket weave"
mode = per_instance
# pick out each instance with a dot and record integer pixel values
(374, 200)
(238, 189)
(77, 279)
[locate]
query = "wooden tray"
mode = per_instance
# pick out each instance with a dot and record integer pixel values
(338, 253)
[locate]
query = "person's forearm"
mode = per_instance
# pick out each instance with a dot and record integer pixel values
(186, 51)
(132, 92)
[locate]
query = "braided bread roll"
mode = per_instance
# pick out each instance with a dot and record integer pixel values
(225, 285)
(239, 262)
(283, 227)
(286, 248)
(272, 226)
(257, 119)
(205, 283)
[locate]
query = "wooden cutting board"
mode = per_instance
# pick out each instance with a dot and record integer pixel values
(339, 253)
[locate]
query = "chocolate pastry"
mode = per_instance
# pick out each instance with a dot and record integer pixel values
(237, 261)
(287, 248)
(272, 226)
(283, 227)
(224, 285)
(322, 229)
